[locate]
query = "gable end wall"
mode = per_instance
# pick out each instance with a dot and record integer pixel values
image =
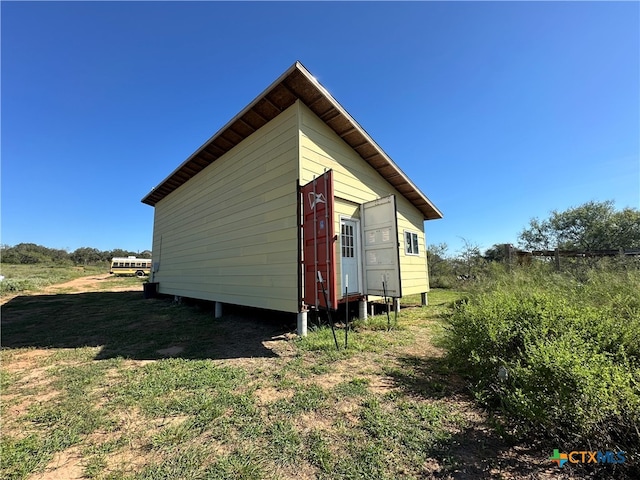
(229, 234)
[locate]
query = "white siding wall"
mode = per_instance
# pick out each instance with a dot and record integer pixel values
(356, 182)
(229, 234)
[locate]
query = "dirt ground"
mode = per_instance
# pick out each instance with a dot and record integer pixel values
(91, 283)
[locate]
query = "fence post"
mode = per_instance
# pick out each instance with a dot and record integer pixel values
(556, 255)
(508, 254)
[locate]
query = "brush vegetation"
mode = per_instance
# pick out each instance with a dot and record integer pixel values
(559, 353)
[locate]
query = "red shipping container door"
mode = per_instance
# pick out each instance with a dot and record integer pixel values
(318, 231)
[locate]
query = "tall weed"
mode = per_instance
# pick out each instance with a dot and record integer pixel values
(559, 353)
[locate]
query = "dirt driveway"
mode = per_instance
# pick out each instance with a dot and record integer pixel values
(103, 282)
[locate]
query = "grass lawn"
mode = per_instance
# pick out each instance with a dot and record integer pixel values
(108, 385)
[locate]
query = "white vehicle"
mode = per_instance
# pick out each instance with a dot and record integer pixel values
(130, 266)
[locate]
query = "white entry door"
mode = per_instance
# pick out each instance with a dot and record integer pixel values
(349, 242)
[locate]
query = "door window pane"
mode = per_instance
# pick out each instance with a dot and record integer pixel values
(347, 240)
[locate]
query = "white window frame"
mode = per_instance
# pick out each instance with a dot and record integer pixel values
(411, 248)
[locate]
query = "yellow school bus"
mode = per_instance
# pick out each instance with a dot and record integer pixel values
(130, 266)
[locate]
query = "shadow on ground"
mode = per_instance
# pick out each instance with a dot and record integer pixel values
(126, 325)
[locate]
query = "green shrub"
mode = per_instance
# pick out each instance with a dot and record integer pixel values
(13, 285)
(560, 356)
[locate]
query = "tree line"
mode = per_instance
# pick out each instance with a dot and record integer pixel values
(587, 227)
(31, 253)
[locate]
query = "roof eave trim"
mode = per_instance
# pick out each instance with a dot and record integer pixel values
(429, 213)
(364, 133)
(242, 112)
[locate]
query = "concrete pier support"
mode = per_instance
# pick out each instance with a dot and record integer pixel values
(302, 324)
(362, 309)
(424, 300)
(217, 310)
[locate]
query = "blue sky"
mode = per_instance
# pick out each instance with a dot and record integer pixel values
(499, 112)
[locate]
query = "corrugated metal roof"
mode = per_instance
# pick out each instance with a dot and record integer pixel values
(296, 83)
